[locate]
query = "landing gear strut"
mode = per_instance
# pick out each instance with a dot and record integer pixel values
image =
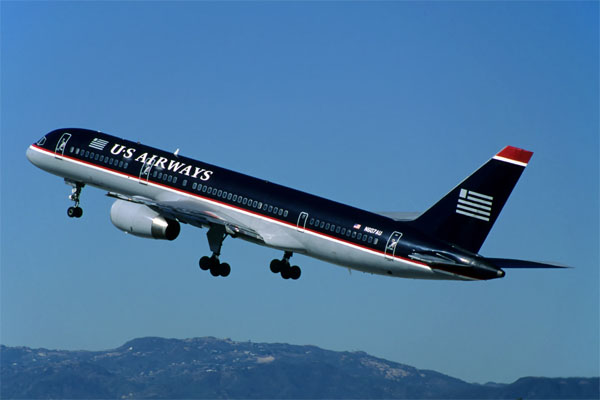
(283, 267)
(216, 235)
(75, 212)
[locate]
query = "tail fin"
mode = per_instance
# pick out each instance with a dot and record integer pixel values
(465, 215)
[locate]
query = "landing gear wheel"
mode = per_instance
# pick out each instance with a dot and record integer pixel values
(286, 272)
(276, 266)
(74, 212)
(225, 269)
(295, 272)
(205, 263)
(215, 271)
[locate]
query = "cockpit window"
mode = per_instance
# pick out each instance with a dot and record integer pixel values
(41, 141)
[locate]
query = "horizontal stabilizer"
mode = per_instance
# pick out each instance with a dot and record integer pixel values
(400, 215)
(511, 263)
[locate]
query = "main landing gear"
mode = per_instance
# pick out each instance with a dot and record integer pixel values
(75, 212)
(283, 267)
(216, 235)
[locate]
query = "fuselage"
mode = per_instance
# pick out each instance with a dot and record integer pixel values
(284, 218)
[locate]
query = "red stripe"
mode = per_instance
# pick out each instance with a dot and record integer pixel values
(515, 154)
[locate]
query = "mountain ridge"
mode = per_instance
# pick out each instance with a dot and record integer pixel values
(209, 367)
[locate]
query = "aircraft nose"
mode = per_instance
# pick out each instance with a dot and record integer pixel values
(31, 155)
(501, 273)
(28, 153)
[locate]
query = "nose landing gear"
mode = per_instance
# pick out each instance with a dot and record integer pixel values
(75, 212)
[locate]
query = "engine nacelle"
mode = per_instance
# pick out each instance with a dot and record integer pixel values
(142, 221)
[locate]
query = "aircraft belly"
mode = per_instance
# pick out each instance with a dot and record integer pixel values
(361, 259)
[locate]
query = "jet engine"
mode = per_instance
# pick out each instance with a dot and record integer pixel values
(142, 221)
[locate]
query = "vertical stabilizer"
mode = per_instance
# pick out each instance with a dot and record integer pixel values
(466, 215)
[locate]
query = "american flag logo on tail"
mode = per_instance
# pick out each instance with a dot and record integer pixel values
(98, 144)
(474, 205)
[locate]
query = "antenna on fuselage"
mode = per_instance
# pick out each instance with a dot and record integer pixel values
(176, 153)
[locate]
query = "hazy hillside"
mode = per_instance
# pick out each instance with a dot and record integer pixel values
(214, 368)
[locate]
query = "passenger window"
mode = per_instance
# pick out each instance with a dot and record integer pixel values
(239, 199)
(200, 187)
(254, 203)
(125, 165)
(120, 164)
(219, 193)
(365, 237)
(72, 149)
(87, 153)
(275, 209)
(170, 178)
(260, 205)
(317, 222)
(359, 236)
(337, 230)
(101, 158)
(322, 224)
(370, 239)
(77, 150)
(343, 231)
(312, 221)
(235, 197)
(327, 226)
(214, 191)
(245, 201)
(97, 157)
(270, 208)
(160, 175)
(106, 160)
(285, 213)
(375, 240)
(165, 177)
(353, 234)
(348, 233)
(194, 185)
(184, 183)
(332, 228)
(280, 211)
(229, 196)
(204, 188)
(110, 162)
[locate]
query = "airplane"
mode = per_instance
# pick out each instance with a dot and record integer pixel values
(155, 191)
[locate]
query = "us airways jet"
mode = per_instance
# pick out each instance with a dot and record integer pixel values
(155, 191)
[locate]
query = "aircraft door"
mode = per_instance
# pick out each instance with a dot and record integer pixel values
(302, 221)
(61, 145)
(392, 243)
(145, 170)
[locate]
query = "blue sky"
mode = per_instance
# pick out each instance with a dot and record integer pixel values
(385, 106)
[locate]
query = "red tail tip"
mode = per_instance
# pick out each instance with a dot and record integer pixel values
(510, 153)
